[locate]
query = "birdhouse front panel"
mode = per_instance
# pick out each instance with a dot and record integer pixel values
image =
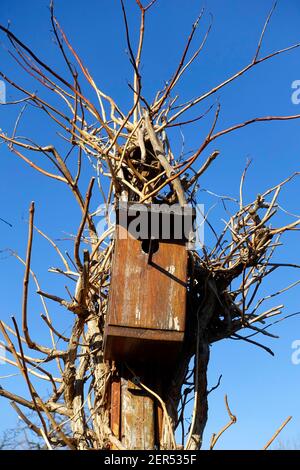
(147, 299)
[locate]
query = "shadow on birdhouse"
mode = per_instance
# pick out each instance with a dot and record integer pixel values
(147, 300)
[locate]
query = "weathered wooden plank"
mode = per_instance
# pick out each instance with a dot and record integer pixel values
(138, 418)
(142, 345)
(150, 297)
(115, 408)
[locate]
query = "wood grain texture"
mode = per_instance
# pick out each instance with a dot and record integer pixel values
(138, 417)
(147, 303)
(115, 410)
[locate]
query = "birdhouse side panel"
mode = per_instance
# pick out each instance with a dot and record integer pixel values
(148, 292)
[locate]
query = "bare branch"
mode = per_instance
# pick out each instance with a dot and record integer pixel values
(277, 432)
(233, 420)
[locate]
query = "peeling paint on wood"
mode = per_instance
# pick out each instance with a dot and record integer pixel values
(138, 431)
(147, 299)
(171, 269)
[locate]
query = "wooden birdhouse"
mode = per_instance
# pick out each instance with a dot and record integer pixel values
(147, 300)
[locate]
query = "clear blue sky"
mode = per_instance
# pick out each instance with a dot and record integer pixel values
(262, 390)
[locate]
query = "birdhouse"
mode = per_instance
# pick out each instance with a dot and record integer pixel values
(147, 301)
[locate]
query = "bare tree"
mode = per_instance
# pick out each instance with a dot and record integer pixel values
(131, 151)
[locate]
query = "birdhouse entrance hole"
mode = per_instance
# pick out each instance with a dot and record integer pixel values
(150, 246)
(147, 298)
